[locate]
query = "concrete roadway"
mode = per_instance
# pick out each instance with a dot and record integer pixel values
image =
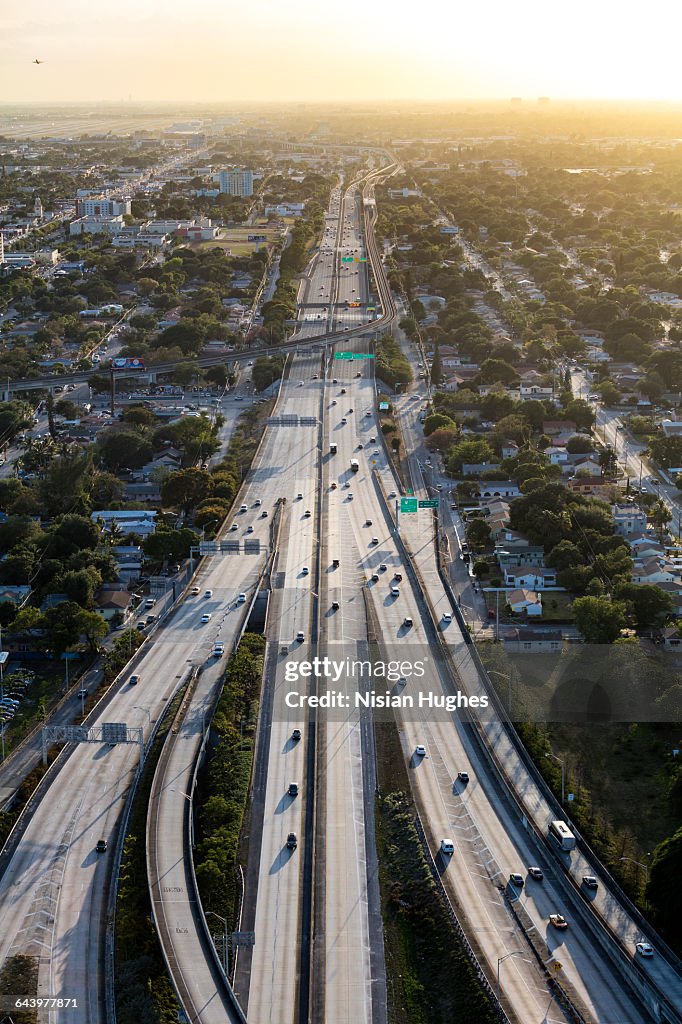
(348, 957)
(55, 875)
(274, 981)
(504, 834)
(490, 921)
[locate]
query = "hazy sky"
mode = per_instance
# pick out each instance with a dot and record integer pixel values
(338, 49)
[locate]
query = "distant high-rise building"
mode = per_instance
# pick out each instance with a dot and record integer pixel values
(236, 183)
(38, 208)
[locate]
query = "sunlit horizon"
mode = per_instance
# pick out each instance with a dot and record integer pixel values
(175, 52)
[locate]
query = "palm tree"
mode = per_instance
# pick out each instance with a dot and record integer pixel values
(660, 516)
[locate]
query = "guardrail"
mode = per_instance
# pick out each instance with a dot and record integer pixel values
(110, 940)
(454, 921)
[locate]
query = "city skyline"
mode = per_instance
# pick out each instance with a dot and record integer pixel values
(271, 53)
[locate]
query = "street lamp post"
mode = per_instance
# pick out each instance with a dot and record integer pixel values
(645, 868)
(224, 924)
(563, 774)
(500, 960)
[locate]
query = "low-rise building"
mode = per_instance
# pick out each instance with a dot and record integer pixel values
(524, 602)
(526, 640)
(529, 577)
(628, 520)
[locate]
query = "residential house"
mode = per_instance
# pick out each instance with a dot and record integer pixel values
(139, 522)
(129, 559)
(554, 427)
(675, 591)
(592, 487)
(146, 491)
(586, 465)
(529, 577)
(524, 602)
(513, 549)
(111, 603)
(628, 520)
(671, 428)
(525, 640)
(653, 570)
(558, 456)
(497, 488)
(536, 391)
(671, 638)
(474, 468)
(509, 450)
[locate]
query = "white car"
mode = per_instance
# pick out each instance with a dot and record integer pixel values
(241, 598)
(206, 617)
(644, 949)
(208, 593)
(447, 616)
(305, 570)
(447, 848)
(218, 650)
(420, 750)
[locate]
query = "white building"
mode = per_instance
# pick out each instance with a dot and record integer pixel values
(96, 226)
(236, 183)
(100, 206)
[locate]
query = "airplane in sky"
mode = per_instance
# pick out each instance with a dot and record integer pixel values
(36, 61)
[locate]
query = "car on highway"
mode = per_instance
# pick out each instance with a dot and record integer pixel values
(102, 846)
(420, 750)
(292, 841)
(208, 593)
(264, 514)
(235, 526)
(257, 503)
(300, 636)
(372, 440)
(299, 496)
(206, 617)
(218, 650)
(516, 879)
(558, 921)
(391, 494)
(307, 514)
(590, 882)
(398, 576)
(150, 602)
(407, 622)
(243, 508)
(241, 598)
(536, 873)
(293, 789)
(195, 591)
(395, 592)
(446, 617)
(375, 541)
(249, 529)
(296, 735)
(134, 679)
(335, 606)
(447, 847)
(463, 776)
(644, 949)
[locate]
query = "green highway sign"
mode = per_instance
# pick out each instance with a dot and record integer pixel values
(408, 504)
(347, 259)
(353, 355)
(429, 504)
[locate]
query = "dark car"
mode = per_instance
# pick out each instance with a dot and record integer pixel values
(293, 789)
(292, 841)
(101, 846)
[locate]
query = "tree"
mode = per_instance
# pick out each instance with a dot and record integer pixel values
(664, 891)
(599, 619)
(579, 444)
(121, 449)
(169, 545)
(437, 420)
(660, 516)
(649, 604)
(217, 375)
(74, 533)
(14, 416)
(469, 453)
(581, 412)
(609, 392)
(67, 622)
(478, 533)
(666, 451)
(139, 416)
(441, 440)
(186, 488)
(494, 370)
(213, 513)
(80, 585)
(66, 408)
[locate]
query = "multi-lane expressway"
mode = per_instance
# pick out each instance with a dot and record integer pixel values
(314, 908)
